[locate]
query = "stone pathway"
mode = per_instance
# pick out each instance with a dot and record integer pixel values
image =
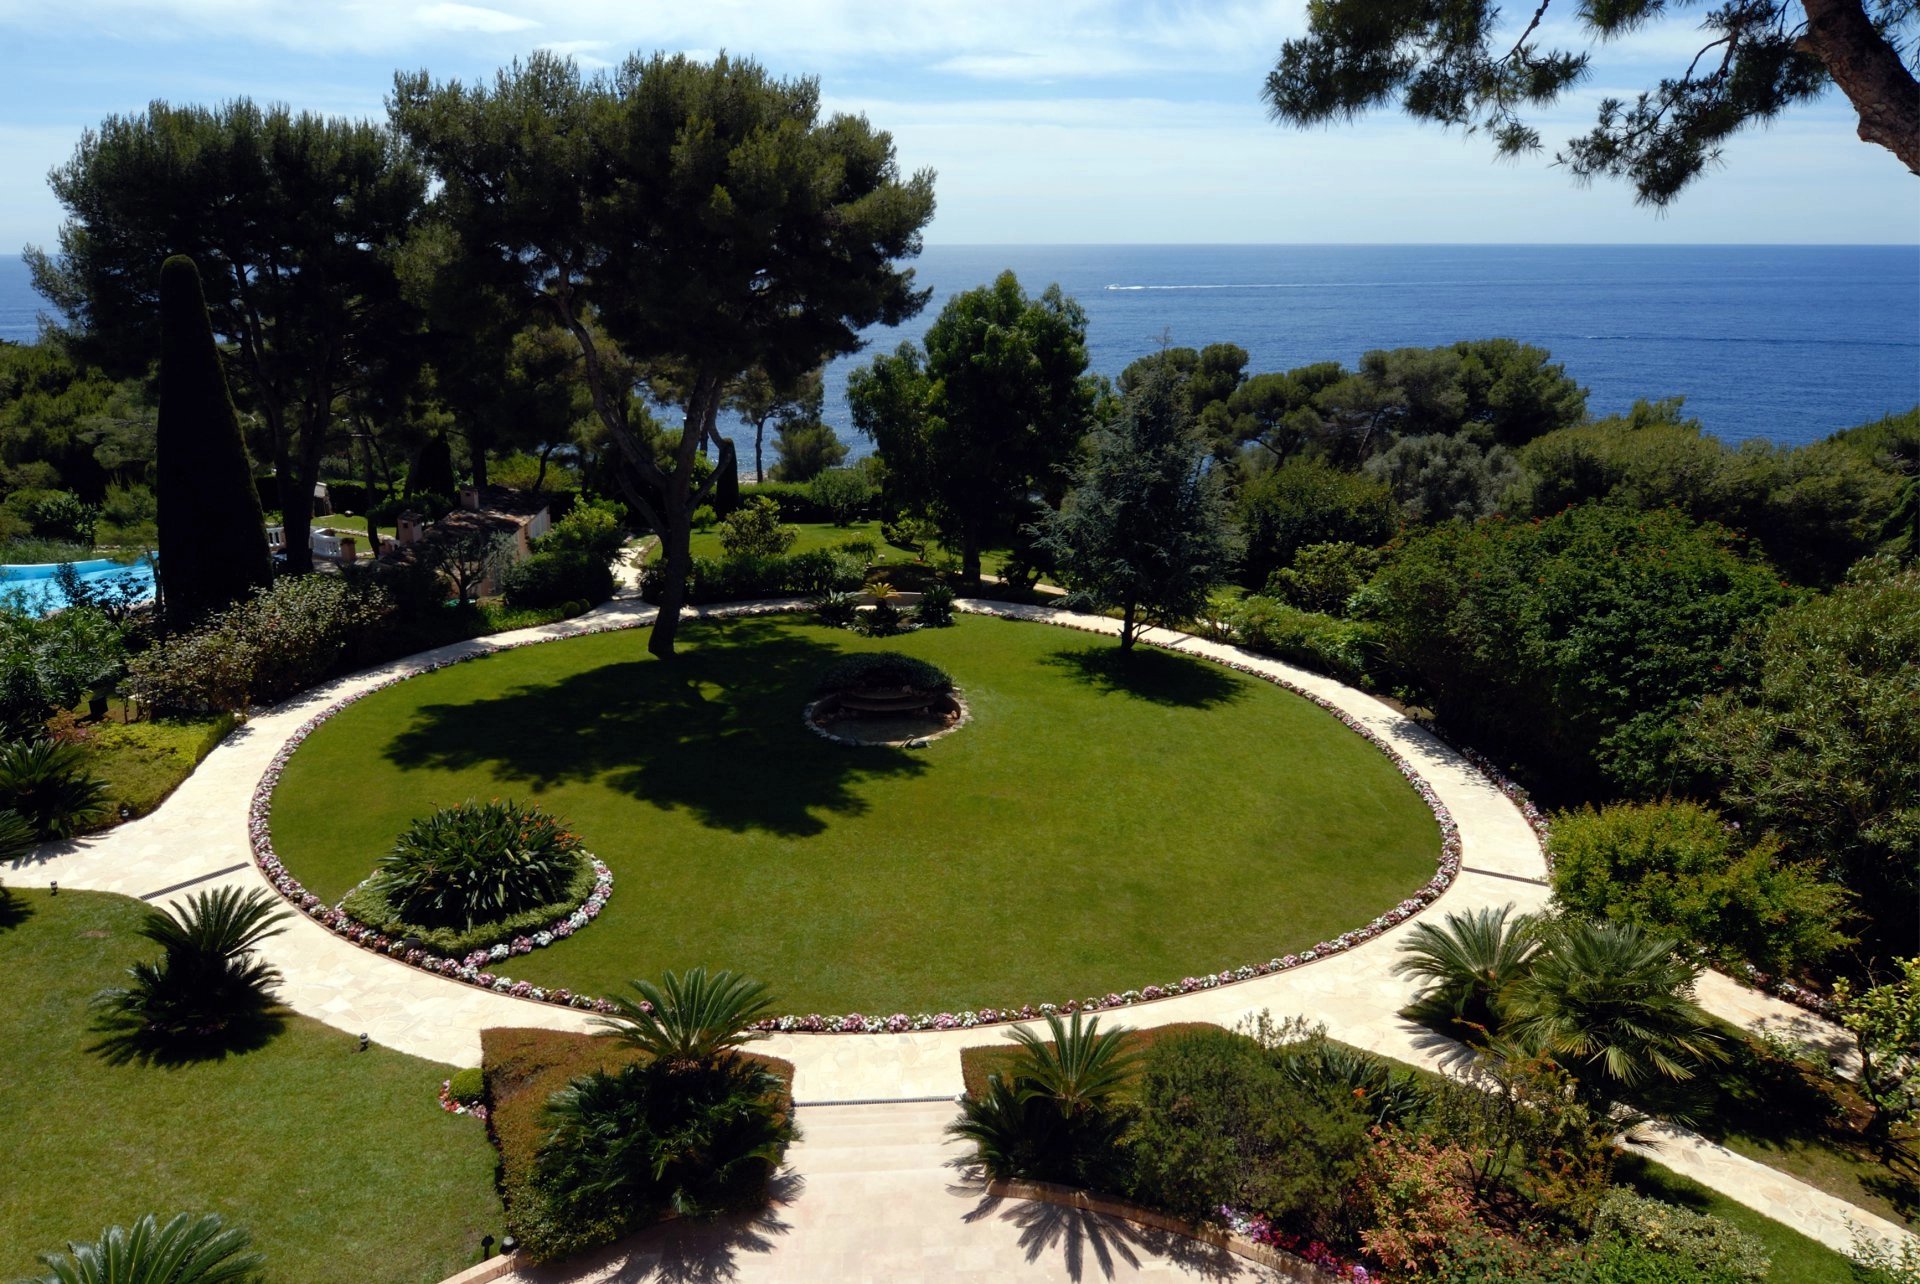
(198, 839)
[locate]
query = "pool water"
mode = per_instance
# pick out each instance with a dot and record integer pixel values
(34, 589)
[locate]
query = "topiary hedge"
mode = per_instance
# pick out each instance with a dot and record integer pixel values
(882, 669)
(813, 573)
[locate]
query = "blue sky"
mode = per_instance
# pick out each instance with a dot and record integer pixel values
(1047, 120)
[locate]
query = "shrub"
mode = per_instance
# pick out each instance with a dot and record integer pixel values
(1219, 1123)
(836, 610)
(591, 529)
(477, 863)
(884, 620)
(820, 571)
(468, 1086)
(882, 669)
(1324, 576)
(17, 837)
(842, 492)
(793, 499)
(1678, 868)
(553, 577)
(754, 530)
(1308, 501)
(288, 637)
(1696, 1246)
(47, 785)
(1416, 1198)
(1055, 1115)
(704, 518)
(369, 904)
(208, 987)
(57, 515)
(689, 1018)
(859, 546)
(935, 608)
(629, 1146)
(1344, 649)
(48, 664)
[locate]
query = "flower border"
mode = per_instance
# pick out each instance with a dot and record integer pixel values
(260, 812)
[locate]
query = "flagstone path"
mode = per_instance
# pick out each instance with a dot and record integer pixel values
(198, 839)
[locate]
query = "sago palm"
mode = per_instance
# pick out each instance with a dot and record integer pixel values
(1469, 965)
(48, 784)
(187, 1250)
(690, 1017)
(1614, 1005)
(1079, 1069)
(208, 980)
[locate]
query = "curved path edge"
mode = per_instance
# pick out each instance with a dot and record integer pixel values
(198, 839)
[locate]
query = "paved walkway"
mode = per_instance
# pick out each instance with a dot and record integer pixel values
(199, 839)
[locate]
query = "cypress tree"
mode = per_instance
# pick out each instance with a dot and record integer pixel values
(213, 548)
(431, 472)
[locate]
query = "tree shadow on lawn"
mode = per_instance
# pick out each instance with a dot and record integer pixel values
(13, 910)
(123, 1043)
(1147, 673)
(717, 731)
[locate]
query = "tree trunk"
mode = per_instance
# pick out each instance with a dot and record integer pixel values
(677, 556)
(477, 457)
(373, 526)
(759, 461)
(1127, 634)
(676, 516)
(1869, 72)
(970, 554)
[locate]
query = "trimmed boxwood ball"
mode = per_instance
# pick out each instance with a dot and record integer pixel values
(879, 669)
(468, 1086)
(477, 863)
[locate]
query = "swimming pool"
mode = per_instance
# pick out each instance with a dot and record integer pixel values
(34, 588)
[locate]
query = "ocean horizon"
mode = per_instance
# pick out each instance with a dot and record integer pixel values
(1782, 343)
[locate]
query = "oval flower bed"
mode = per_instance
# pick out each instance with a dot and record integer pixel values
(475, 968)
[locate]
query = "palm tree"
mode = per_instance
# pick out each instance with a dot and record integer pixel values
(1614, 1005)
(1079, 1069)
(17, 837)
(208, 981)
(187, 1250)
(690, 1018)
(1469, 965)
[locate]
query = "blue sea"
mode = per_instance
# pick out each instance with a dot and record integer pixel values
(1782, 343)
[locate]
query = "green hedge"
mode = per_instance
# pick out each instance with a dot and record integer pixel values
(735, 579)
(554, 578)
(1345, 649)
(795, 500)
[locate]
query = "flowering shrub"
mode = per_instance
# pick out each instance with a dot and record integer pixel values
(1417, 1201)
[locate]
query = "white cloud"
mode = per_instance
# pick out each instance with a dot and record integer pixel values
(471, 17)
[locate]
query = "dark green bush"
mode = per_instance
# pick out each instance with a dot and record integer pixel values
(477, 863)
(836, 610)
(1673, 1243)
(17, 838)
(1305, 502)
(285, 639)
(210, 991)
(369, 904)
(553, 578)
(795, 500)
(57, 515)
(820, 571)
(740, 578)
(468, 1086)
(47, 784)
(1324, 576)
(935, 608)
(882, 620)
(1220, 1123)
(882, 669)
(1678, 868)
(1345, 649)
(656, 1137)
(48, 664)
(755, 530)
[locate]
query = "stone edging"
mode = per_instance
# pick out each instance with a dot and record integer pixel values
(258, 831)
(1297, 1270)
(911, 742)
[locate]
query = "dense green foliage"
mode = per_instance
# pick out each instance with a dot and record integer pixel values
(843, 492)
(49, 663)
(1813, 509)
(1144, 529)
(1344, 648)
(478, 862)
(369, 904)
(1823, 749)
(51, 786)
(185, 1249)
(283, 640)
(1306, 502)
(987, 413)
(690, 1018)
(1679, 869)
(882, 670)
(1053, 1114)
(1571, 645)
(1220, 1123)
(211, 542)
(754, 530)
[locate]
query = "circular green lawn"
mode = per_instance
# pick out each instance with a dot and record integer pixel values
(1102, 823)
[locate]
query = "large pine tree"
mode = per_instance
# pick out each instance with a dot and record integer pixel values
(213, 548)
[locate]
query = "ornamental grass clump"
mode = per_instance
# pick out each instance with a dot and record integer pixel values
(477, 863)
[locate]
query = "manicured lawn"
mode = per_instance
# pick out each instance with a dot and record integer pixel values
(341, 1163)
(1097, 827)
